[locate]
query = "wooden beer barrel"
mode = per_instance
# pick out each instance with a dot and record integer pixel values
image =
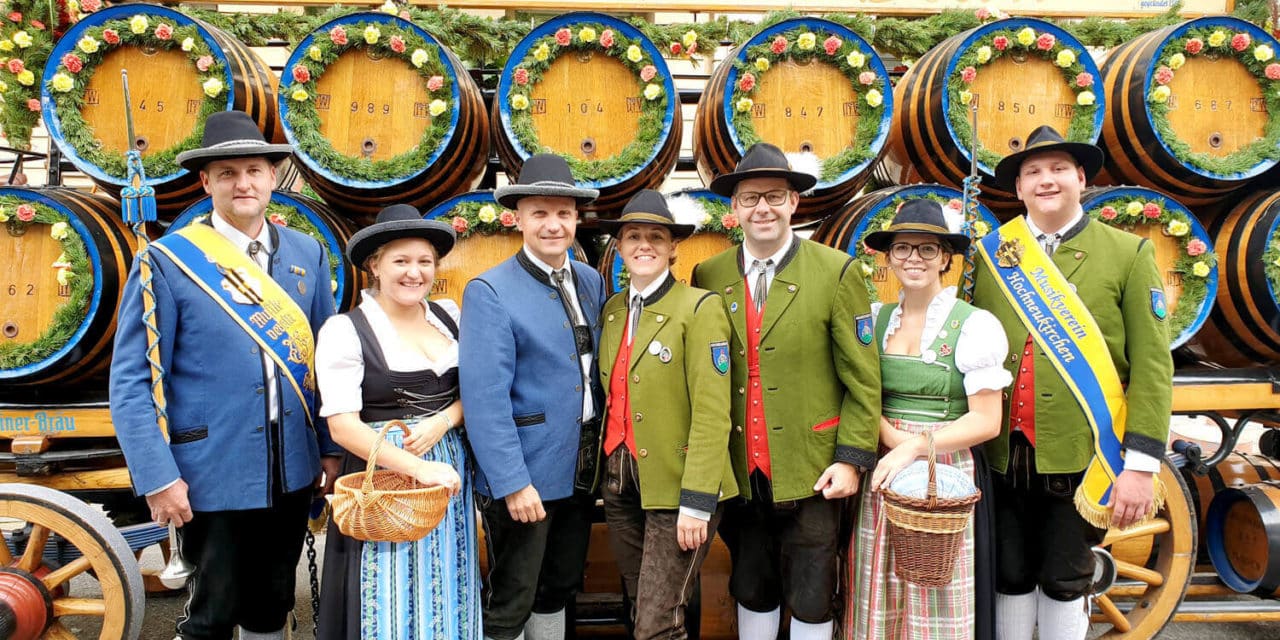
(1244, 538)
(314, 218)
(809, 98)
(872, 212)
(691, 206)
(607, 103)
(1195, 127)
(1018, 88)
(1244, 327)
(398, 121)
(52, 331)
(1236, 472)
(171, 96)
(1176, 234)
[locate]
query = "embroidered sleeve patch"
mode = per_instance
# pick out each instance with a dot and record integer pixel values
(1158, 307)
(862, 325)
(720, 357)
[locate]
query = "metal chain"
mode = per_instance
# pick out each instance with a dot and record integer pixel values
(315, 583)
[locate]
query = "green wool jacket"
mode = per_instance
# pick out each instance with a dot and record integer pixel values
(821, 381)
(1114, 273)
(679, 408)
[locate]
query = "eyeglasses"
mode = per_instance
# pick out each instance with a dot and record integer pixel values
(926, 251)
(752, 198)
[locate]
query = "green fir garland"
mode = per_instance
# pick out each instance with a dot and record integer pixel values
(480, 217)
(1271, 264)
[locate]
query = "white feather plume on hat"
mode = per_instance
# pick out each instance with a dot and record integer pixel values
(686, 209)
(954, 218)
(806, 162)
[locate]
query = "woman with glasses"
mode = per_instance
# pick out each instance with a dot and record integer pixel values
(941, 373)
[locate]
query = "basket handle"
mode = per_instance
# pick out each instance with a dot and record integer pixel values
(372, 464)
(933, 473)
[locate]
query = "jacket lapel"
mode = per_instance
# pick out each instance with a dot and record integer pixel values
(649, 329)
(615, 323)
(1072, 254)
(781, 294)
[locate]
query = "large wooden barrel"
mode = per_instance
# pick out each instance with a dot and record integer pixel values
(487, 235)
(398, 121)
(1236, 472)
(1244, 538)
(314, 218)
(1180, 243)
(607, 103)
(804, 100)
(700, 207)
(1244, 327)
(1018, 88)
(873, 211)
(1195, 125)
(171, 96)
(56, 331)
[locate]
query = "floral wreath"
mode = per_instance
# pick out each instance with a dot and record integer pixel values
(76, 67)
(391, 39)
(1216, 42)
(1021, 43)
(27, 36)
(72, 270)
(803, 45)
(479, 217)
(1271, 264)
(1195, 262)
(591, 38)
(883, 219)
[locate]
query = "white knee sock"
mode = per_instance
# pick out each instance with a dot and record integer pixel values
(809, 631)
(753, 625)
(1015, 616)
(245, 634)
(545, 626)
(1062, 620)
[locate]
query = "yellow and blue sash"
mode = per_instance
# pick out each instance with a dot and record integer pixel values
(252, 299)
(1067, 333)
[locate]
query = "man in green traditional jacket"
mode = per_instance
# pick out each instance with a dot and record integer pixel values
(806, 399)
(1043, 543)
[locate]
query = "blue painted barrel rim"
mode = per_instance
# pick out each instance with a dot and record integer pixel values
(95, 297)
(67, 44)
(1013, 25)
(204, 206)
(1256, 34)
(1215, 521)
(283, 100)
(443, 209)
(813, 24)
(549, 27)
(911, 191)
(1271, 234)
(1197, 231)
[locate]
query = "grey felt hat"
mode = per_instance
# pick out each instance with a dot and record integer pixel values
(231, 134)
(393, 223)
(544, 174)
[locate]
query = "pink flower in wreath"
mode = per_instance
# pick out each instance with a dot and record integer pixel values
(779, 45)
(72, 62)
(521, 76)
(691, 48)
(460, 224)
(278, 220)
(15, 16)
(728, 220)
(648, 72)
(563, 37)
(33, 104)
(747, 83)
(434, 83)
(606, 38)
(1164, 75)
(831, 45)
(1045, 42)
(955, 204)
(1000, 43)
(1196, 247)
(1194, 46)
(1151, 210)
(1085, 79)
(301, 73)
(16, 66)
(676, 49)
(39, 26)
(1273, 71)
(26, 212)
(1240, 41)
(982, 14)
(397, 44)
(969, 74)
(204, 62)
(164, 31)
(404, 15)
(110, 36)
(89, 6)
(1109, 213)
(338, 36)
(869, 77)
(507, 218)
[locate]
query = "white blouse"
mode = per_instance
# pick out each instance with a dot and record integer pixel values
(980, 349)
(340, 364)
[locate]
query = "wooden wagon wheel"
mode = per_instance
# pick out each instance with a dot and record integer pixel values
(1156, 580)
(35, 596)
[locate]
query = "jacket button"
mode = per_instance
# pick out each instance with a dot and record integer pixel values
(635, 378)
(639, 417)
(742, 352)
(791, 288)
(1079, 255)
(738, 428)
(644, 453)
(258, 429)
(552, 296)
(741, 391)
(258, 391)
(566, 324)
(288, 412)
(577, 387)
(661, 318)
(253, 349)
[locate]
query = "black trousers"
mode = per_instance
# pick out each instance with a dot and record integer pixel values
(1042, 541)
(533, 567)
(245, 563)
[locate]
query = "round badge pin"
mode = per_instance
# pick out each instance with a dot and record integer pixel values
(655, 347)
(665, 355)
(733, 307)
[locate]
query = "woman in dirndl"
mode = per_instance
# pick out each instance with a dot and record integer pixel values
(395, 357)
(941, 373)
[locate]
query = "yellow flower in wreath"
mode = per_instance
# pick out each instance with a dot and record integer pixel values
(64, 277)
(981, 228)
(4, 214)
(27, 78)
(212, 87)
(966, 96)
(314, 53)
(690, 38)
(1263, 53)
(806, 41)
(519, 101)
(634, 53)
(762, 64)
(587, 34)
(87, 44)
(1086, 98)
(138, 24)
(1217, 38)
(1133, 209)
(1026, 36)
(984, 54)
(1178, 228)
(22, 39)
(874, 98)
(371, 34)
(743, 105)
(1065, 58)
(299, 94)
(6, 45)
(855, 59)
(59, 231)
(652, 91)
(487, 214)
(188, 44)
(1176, 61)
(1161, 94)
(418, 57)
(389, 8)
(867, 269)
(1200, 269)
(543, 52)
(437, 107)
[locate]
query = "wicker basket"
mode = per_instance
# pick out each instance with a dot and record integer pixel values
(379, 505)
(926, 533)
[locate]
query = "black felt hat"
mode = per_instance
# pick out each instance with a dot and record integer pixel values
(762, 160)
(1045, 139)
(544, 174)
(920, 216)
(231, 134)
(647, 207)
(393, 223)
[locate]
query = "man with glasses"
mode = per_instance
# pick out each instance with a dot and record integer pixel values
(806, 399)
